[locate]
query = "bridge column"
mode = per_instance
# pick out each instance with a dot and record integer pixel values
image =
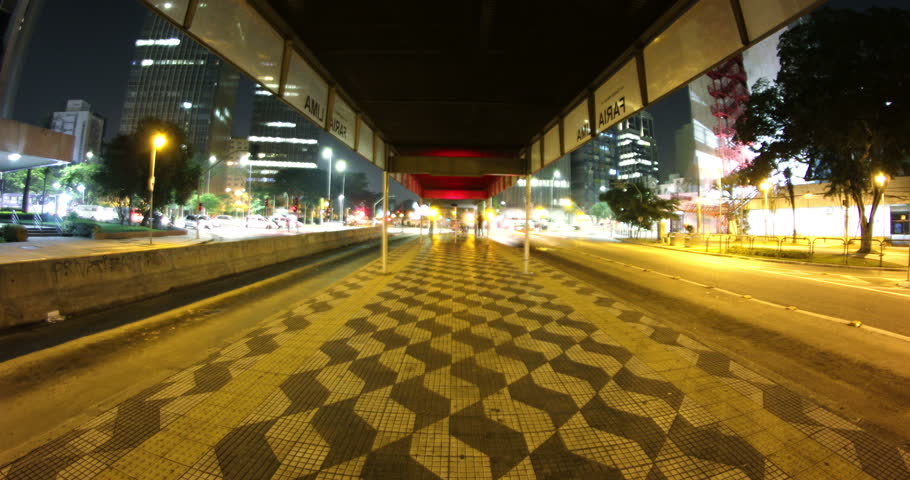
(385, 225)
(527, 222)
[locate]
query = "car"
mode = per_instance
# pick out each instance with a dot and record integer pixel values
(258, 221)
(95, 212)
(227, 221)
(202, 221)
(136, 216)
(286, 221)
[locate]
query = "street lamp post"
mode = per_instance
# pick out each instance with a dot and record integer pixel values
(556, 176)
(57, 198)
(158, 142)
(341, 165)
(213, 160)
(327, 154)
(765, 186)
(882, 180)
(81, 189)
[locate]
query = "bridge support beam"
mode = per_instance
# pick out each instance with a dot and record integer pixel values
(385, 225)
(527, 223)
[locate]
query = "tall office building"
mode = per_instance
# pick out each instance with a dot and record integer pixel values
(228, 174)
(594, 166)
(280, 134)
(79, 121)
(636, 150)
(173, 78)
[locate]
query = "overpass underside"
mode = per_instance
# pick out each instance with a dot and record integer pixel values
(457, 100)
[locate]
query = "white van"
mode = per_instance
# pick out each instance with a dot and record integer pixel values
(95, 212)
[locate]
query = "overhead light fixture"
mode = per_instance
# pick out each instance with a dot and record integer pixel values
(280, 124)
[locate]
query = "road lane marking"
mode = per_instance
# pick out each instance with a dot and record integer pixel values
(822, 316)
(773, 271)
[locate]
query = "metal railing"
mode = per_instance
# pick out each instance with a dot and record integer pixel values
(777, 245)
(36, 221)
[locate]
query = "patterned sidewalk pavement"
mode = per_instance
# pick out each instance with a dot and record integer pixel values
(457, 366)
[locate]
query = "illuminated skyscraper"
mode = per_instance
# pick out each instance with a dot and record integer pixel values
(280, 134)
(173, 78)
(636, 150)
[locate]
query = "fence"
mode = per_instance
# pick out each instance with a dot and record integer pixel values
(779, 247)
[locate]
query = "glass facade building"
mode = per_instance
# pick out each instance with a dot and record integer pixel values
(636, 150)
(173, 78)
(280, 134)
(593, 168)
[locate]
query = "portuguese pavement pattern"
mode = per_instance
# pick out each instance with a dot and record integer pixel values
(457, 366)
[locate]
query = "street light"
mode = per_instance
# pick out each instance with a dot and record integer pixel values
(556, 176)
(881, 179)
(81, 189)
(765, 187)
(57, 186)
(158, 142)
(341, 165)
(327, 154)
(89, 155)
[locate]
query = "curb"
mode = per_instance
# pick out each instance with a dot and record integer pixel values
(771, 260)
(85, 343)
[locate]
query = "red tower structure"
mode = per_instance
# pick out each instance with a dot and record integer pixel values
(728, 87)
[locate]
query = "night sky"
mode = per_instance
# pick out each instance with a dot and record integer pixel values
(84, 53)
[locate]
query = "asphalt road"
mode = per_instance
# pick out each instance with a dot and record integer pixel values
(739, 307)
(870, 296)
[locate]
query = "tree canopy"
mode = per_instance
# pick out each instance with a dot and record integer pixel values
(637, 205)
(124, 170)
(840, 105)
(601, 211)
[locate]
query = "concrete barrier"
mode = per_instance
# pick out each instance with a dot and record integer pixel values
(29, 290)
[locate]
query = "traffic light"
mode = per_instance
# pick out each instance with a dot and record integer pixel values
(267, 205)
(296, 204)
(199, 207)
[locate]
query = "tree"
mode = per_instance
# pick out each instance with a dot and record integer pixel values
(210, 202)
(124, 170)
(637, 205)
(601, 211)
(840, 105)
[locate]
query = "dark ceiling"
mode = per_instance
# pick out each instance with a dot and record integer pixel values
(466, 73)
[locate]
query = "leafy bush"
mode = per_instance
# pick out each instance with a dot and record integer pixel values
(769, 252)
(14, 233)
(80, 227)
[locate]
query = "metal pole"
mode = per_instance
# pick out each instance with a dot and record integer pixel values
(527, 222)
(385, 225)
(341, 202)
(328, 194)
(198, 213)
(767, 212)
(152, 195)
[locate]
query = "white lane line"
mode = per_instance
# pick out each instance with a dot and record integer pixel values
(813, 279)
(750, 298)
(860, 287)
(857, 279)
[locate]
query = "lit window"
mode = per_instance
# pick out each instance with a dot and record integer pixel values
(165, 42)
